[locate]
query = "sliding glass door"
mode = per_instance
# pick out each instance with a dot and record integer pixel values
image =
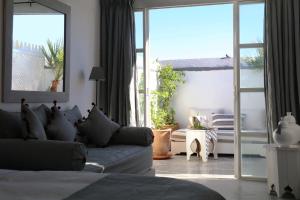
(246, 31)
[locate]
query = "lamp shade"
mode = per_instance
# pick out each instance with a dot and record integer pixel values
(97, 74)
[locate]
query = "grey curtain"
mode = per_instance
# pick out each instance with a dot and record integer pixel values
(282, 73)
(117, 56)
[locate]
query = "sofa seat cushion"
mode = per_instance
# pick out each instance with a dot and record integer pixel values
(119, 159)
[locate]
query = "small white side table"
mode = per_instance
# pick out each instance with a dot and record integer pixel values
(204, 137)
(283, 168)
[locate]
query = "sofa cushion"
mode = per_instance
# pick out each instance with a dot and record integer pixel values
(59, 128)
(73, 115)
(32, 126)
(10, 125)
(133, 136)
(98, 128)
(119, 159)
(43, 113)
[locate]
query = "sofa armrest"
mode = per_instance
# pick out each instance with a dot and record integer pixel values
(141, 136)
(19, 154)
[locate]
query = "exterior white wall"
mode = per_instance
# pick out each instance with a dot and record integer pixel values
(29, 73)
(205, 92)
(84, 53)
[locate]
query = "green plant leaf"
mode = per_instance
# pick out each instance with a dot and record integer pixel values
(168, 81)
(54, 55)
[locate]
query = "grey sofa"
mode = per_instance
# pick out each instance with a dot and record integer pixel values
(19, 154)
(130, 159)
(129, 151)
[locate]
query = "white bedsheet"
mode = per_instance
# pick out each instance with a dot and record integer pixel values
(43, 185)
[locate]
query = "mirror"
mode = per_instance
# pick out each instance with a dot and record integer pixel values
(36, 51)
(38, 48)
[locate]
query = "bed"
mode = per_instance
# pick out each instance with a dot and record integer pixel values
(59, 185)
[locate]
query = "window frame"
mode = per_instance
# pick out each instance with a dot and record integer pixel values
(238, 90)
(144, 50)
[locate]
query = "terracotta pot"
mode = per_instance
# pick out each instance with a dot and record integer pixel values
(161, 144)
(54, 85)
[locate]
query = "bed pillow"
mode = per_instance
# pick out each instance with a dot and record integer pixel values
(32, 126)
(59, 128)
(73, 115)
(98, 128)
(10, 125)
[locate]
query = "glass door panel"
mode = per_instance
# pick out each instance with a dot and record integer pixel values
(250, 103)
(253, 156)
(251, 23)
(253, 134)
(140, 87)
(253, 111)
(139, 36)
(252, 68)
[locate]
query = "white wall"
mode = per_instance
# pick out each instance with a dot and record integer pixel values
(205, 92)
(84, 53)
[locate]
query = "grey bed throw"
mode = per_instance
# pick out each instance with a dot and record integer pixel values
(131, 187)
(43, 185)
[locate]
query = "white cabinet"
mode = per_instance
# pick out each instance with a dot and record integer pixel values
(284, 168)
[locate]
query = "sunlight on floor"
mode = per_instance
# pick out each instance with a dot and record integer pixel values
(197, 176)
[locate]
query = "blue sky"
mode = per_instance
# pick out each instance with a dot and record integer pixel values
(49, 27)
(199, 31)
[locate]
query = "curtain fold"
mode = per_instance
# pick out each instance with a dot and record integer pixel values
(282, 74)
(117, 57)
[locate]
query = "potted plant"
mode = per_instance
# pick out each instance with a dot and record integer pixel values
(162, 114)
(199, 122)
(54, 55)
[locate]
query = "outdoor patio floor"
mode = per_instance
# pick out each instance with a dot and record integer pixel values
(216, 174)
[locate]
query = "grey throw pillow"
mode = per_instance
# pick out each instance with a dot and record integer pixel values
(10, 125)
(32, 126)
(59, 128)
(73, 115)
(43, 113)
(98, 128)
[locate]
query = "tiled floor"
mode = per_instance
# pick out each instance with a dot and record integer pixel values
(215, 174)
